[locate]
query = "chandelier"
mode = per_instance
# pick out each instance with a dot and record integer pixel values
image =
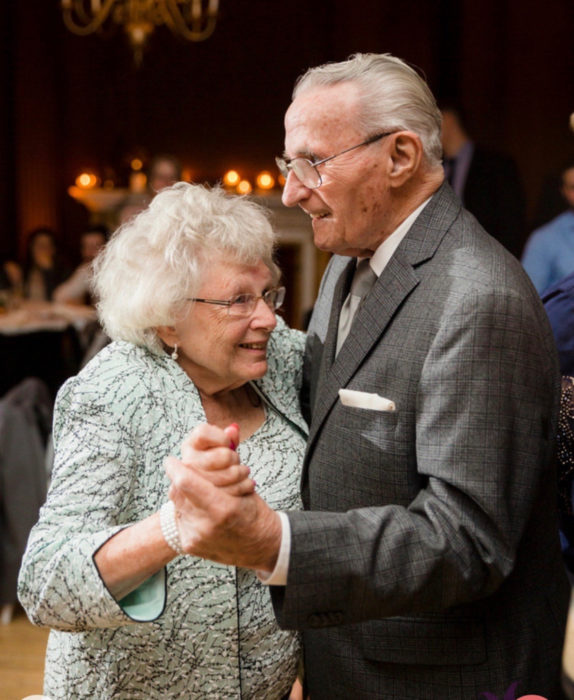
(194, 20)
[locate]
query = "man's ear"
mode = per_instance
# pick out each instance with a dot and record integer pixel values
(406, 157)
(168, 335)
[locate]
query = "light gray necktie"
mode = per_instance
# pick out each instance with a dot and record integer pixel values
(363, 280)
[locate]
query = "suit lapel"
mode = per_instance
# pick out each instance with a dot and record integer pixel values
(396, 282)
(387, 294)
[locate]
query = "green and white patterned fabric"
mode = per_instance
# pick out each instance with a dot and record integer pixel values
(196, 629)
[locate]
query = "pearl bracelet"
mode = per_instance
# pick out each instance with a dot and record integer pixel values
(169, 527)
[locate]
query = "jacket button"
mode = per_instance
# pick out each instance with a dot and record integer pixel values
(325, 619)
(315, 620)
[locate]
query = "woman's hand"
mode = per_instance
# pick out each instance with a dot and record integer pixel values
(210, 451)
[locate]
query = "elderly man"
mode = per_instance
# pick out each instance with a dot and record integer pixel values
(426, 563)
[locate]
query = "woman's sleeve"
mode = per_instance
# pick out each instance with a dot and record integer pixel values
(94, 471)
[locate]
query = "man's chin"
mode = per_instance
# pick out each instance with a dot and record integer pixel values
(342, 248)
(323, 236)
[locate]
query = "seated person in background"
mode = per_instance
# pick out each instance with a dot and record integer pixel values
(10, 284)
(549, 253)
(76, 289)
(487, 182)
(196, 338)
(11, 276)
(43, 269)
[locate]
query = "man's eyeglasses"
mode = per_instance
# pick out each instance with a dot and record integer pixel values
(306, 170)
(243, 305)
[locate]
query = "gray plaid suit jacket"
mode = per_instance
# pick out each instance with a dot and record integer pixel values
(427, 561)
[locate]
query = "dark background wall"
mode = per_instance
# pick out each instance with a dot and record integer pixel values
(68, 103)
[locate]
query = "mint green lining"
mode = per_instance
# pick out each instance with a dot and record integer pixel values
(147, 602)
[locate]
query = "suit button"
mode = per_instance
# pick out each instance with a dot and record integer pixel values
(336, 618)
(315, 620)
(326, 619)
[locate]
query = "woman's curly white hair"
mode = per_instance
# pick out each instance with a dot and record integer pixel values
(156, 260)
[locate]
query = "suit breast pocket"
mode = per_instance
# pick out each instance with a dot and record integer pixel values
(377, 431)
(365, 457)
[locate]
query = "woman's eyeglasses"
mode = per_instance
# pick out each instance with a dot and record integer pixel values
(244, 305)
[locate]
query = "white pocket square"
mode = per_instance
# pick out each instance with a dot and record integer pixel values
(362, 399)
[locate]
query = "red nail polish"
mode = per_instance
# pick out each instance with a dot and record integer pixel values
(231, 442)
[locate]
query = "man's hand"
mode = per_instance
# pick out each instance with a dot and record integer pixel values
(216, 520)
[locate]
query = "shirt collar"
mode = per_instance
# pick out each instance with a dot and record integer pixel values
(385, 251)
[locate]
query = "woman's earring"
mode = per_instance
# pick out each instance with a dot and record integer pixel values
(174, 354)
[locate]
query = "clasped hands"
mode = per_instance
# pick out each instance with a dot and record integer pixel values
(219, 514)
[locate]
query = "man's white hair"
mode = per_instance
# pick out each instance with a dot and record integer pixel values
(156, 260)
(392, 95)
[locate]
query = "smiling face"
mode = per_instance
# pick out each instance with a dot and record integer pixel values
(219, 352)
(351, 210)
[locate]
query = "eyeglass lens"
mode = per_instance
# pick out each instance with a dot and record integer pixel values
(245, 304)
(306, 172)
(303, 169)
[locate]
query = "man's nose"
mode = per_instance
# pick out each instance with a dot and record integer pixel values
(294, 190)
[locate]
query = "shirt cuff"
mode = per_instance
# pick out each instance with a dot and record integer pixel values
(278, 577)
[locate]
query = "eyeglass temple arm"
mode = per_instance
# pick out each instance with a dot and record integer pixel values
(211, 301)
(374, 138)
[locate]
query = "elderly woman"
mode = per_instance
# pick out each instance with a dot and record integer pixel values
(188, 292)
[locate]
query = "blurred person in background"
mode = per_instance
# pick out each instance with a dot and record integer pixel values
(164, 171)
(43, 268)
(549, 253)
(486, 181)
(76, 289)
(10, 284)
(188, 291)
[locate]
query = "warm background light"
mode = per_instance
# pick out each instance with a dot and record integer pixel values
(136, 164)
(138, 182)
(194, 20)
(187, 175)
(86, 180)
(244, 187)
(265, 180)
(231, 178)
(281, 180)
